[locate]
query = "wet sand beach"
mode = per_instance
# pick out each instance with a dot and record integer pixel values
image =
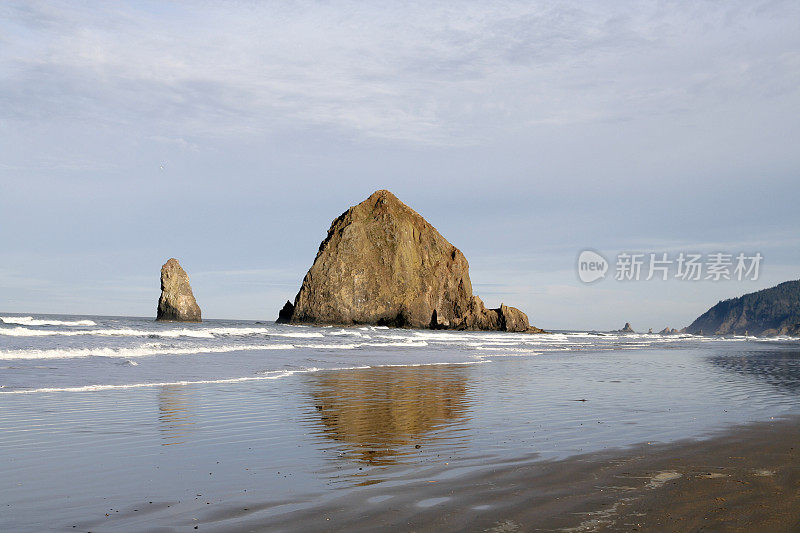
(111, 424)
(747, 479)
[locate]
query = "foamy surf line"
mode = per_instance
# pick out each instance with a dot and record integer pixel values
(30, 321)
(205, 333)
(410, 343)
(141, 351)
(155, 349)
(273, 374)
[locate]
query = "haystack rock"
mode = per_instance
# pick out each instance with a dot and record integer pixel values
(627, 328)
(177, 301)
(383, 264)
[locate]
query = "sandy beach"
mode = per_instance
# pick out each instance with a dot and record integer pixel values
(746, 479)
(337, 266)
(120, 424)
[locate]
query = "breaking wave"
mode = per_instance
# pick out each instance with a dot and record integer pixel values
(207, 333)
(157, 349)
(141, 351)
(262, 375)
(30, 321)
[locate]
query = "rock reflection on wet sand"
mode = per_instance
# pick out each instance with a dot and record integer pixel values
(381, 415)
(175, 416)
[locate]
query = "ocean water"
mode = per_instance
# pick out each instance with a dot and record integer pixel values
(167, 425)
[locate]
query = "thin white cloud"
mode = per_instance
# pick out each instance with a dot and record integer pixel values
(412, 72)
(653, 126)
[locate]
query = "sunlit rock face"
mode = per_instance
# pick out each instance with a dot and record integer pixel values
(382, 263)
(177, 300)
(382, 413)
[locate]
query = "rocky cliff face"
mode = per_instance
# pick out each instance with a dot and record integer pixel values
(504, 318)
(382, 263)
(177, 301)
(774, 311)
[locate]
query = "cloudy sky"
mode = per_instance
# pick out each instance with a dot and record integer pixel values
(230, 134)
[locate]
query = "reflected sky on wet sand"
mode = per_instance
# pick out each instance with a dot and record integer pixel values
(176, 419)
(263, 448)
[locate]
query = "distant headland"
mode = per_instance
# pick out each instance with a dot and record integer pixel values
(769, 312)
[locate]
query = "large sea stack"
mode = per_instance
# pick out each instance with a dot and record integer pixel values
(177, 301)
(774, 311)
(383, 264)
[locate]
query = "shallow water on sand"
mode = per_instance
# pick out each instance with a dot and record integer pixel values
(106, 415)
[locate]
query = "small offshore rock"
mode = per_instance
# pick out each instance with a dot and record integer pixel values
(177, 302)
(285, 314)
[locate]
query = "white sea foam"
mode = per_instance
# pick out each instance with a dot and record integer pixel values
(783, 338)
(25, 332)
(493, 343)
(263, 375)
(30, 321)
(204, 333)
(330, 346)
(410, 343)
(212, 332)
(94, 388)
(140, 351)
(505, 348)
(462, 337)
(440, 363)
(236, 331)
(123, 332)
(507, 352)
(348, 332)
(151, 349)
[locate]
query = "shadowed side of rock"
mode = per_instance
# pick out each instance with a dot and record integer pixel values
(504, 318)
(286, 312)
(382, 263)
(177, 301)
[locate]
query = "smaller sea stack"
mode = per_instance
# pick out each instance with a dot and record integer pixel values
(177, 302)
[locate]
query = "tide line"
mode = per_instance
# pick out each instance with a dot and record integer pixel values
(267, 375)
